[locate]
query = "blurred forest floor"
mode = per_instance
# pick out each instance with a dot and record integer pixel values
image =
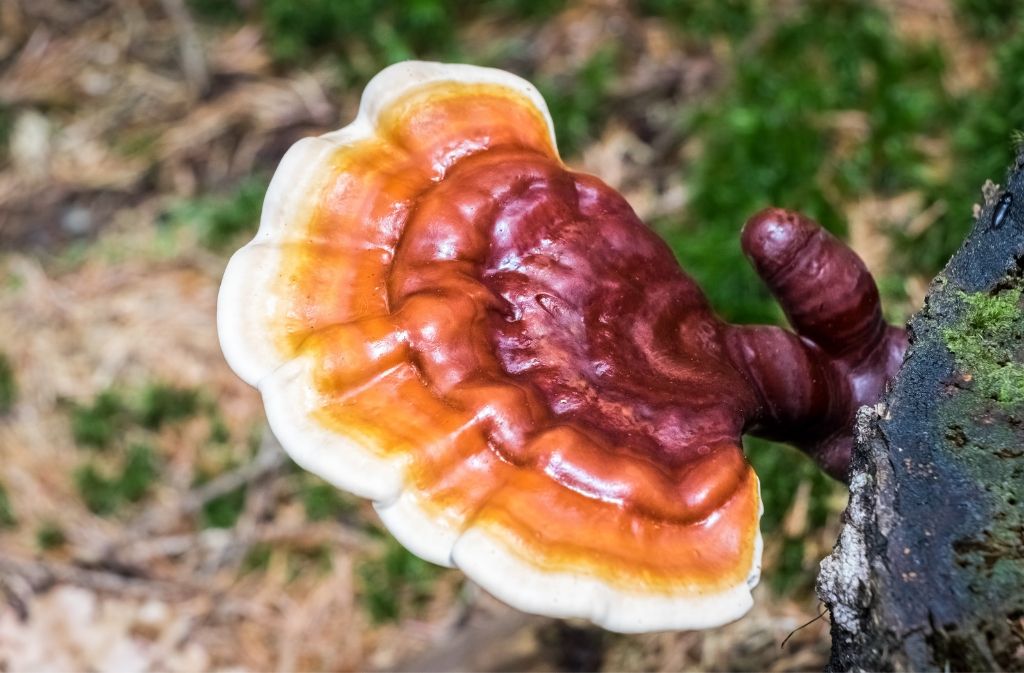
(147, 519)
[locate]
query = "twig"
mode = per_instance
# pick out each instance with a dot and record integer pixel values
(270, 458)
(484, 641)
(193, 62)
(41, 574)
(18, 592)
(304, 537)
(801, 627)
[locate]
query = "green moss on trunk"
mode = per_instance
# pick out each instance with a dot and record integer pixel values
(986, 343)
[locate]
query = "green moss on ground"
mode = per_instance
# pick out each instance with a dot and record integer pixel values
(7, 518)
(130, 483)
(987, 342)
(97, 424)
(222, 220)
(50, 535)
(324, 502)
(395, 583)
(161, 403)
(121, 426)
(104, 421)
(8, 386)
(224, 510)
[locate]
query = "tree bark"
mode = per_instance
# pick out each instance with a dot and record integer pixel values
(928, 572)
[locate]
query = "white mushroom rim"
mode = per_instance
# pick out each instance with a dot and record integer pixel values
(352, 462)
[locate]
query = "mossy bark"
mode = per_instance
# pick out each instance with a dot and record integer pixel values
(928, 573)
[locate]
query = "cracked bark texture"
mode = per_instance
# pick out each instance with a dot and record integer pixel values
(928, 573)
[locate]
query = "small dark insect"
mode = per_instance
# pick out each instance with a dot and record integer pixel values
(1001, 209)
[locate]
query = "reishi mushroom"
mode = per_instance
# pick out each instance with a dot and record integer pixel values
(443, 318)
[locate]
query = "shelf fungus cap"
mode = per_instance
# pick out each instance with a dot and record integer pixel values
(443, 318)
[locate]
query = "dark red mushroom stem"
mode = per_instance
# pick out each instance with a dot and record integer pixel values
(811, 384)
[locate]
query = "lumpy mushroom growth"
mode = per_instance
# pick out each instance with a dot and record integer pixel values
(444, 318)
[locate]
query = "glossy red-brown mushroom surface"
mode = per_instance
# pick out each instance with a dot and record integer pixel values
(444, 318)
